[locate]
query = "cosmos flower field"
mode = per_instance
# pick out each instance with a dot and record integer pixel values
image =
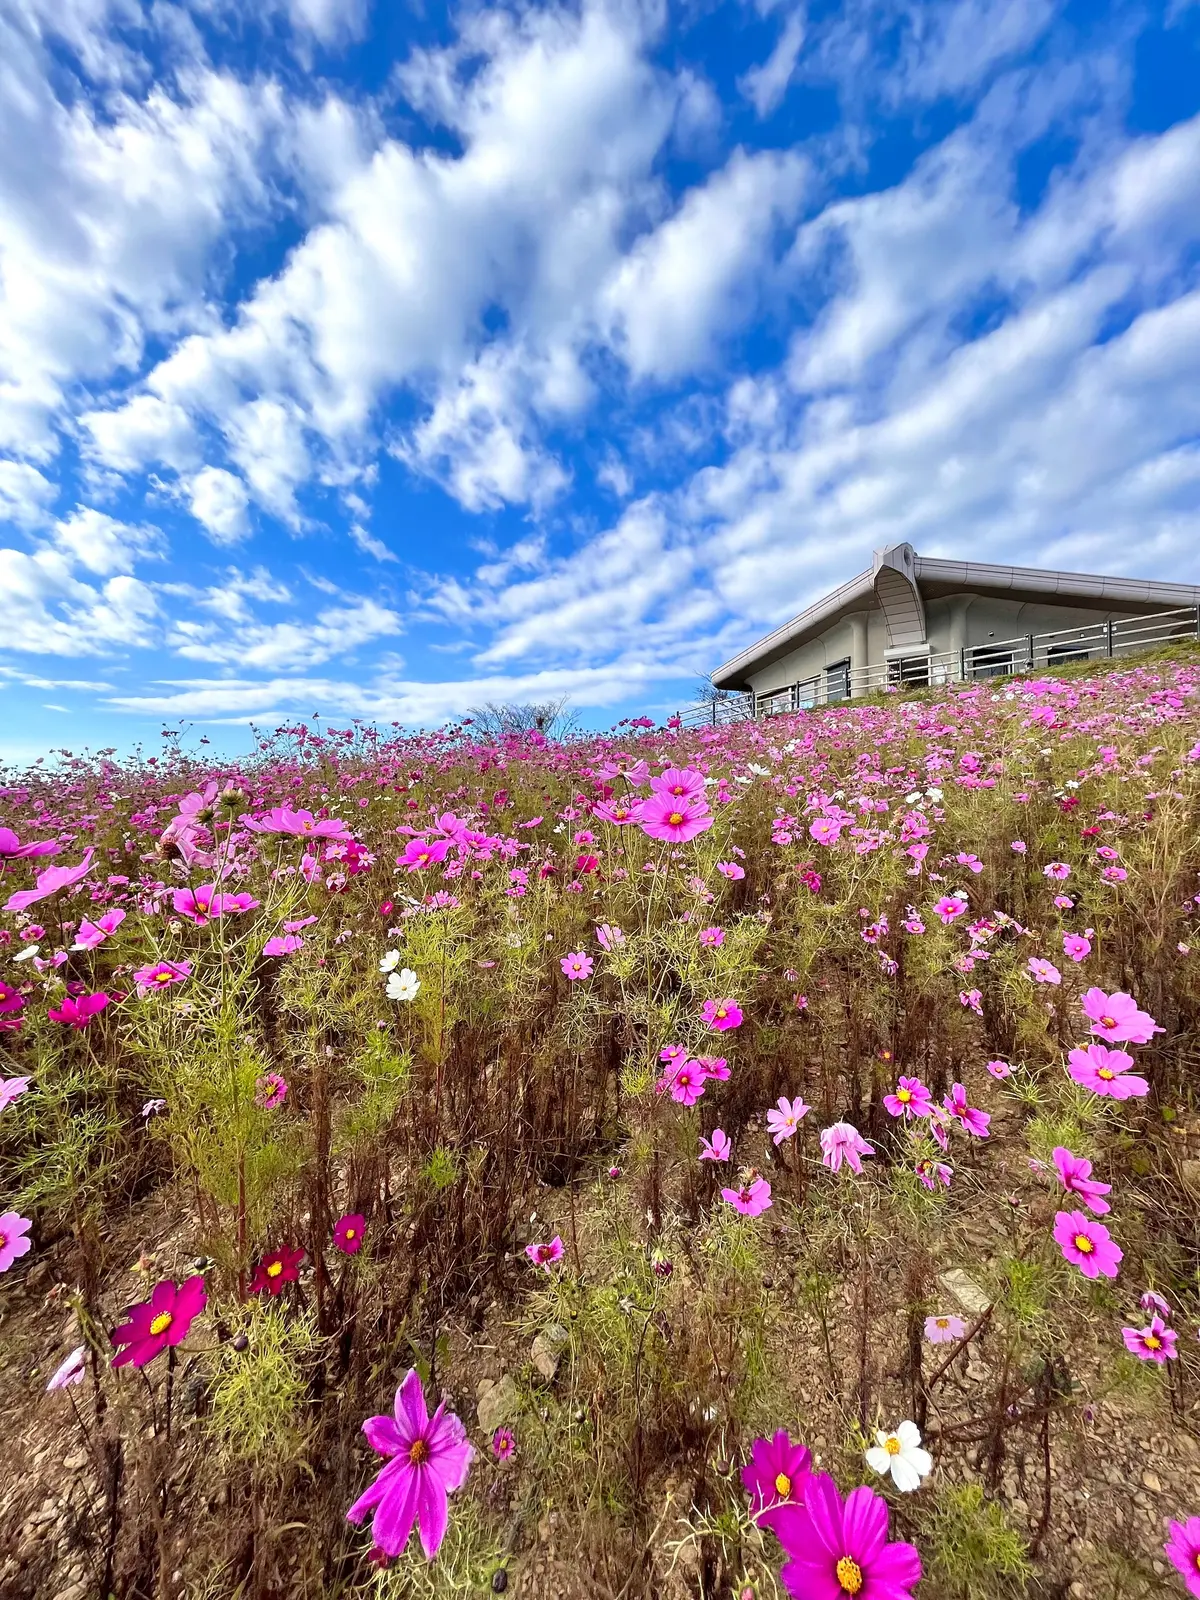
(745, 1161)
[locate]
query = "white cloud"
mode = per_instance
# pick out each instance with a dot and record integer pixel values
(25, 495)
(48, 611)
(219, 500)
(765, 86)
(336, 631)
(101, 543)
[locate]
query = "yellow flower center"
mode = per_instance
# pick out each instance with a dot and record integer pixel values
(161, 1323)
(675, 818)
(904, 1095)
(1153, 1342)
(3, 1240)
(418, 1453)
(1106, 1073)
(783, 1485)
(942, 1322)
(722, 1012)
(892, 1445)
(1108, 1022)
(1083, 1244)
(849, 1575)
(274, 1269)
(351, 1233)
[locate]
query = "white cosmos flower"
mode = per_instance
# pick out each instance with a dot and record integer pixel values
(900, 1454)
(403, 985)
(390, 961)
(28, 953)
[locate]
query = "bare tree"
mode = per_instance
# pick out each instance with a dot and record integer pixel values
(552, 718)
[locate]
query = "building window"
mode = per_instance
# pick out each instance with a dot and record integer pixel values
(1059, 654)
(806, 693)
(909, 672)
(990, 661)
(837, 680)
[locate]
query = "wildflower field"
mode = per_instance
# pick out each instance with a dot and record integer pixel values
(737, 1162)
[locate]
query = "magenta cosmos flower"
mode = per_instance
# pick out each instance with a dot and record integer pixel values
(1043, 971)
(1086, 1244)
(576, 965)
(717, 1148)
(662, 817)
(162, 1320)
(839, 1548)
(752, 1199)
(775, 1476)
(911, 1099)
(685, 1081)
(545, 1255)
(784, 1123)
(1182, 1549)
(1076, 946)
(11, 848)
(420, 853)
(1155, 1343)
(283, 944)
(428, 1458)
(721, 1014)
(200, 906)
(712, 938)
(504, 1446)
(1075, 1175)
(825, 830)
(10, 999)
(49, 882)
(1154, 1302)
(270, 1091)
(276, 1270)
(93, 934)
(77, 1013)
(348, 1233)
(14, 1238)
(974, 1121)
(944, 1330)
(949, 907)
(679, 783)
(843, 1142)
(1106, 1071)
(162, 975)
(1116, 1017)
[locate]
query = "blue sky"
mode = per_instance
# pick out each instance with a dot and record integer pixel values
(379, 360)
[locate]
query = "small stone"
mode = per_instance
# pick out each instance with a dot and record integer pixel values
(499, 1581)
(1150, 1481)
(498, 1403)
(958, 1282)
(548, 1348)
(1189, 1171)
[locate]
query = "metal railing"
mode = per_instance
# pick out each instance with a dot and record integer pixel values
(997, 658)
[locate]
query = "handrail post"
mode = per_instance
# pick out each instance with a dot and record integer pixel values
(1108, 630)
(1029, 647)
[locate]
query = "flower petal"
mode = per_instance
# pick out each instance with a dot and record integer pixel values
(433, 1512)
(412, 1415)
(864, 1524)
(397, 1509)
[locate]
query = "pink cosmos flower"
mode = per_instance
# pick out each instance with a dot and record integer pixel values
(11, 1089)
(1182, 1548)
(348, 1233)
(999, 1069)
(972, 999)
(77, 1013)
(70, 1372)
(718, 1148)
(678, 783)
(283, 945)
(1114, 874)
(201, 905)
(301, 823)
(825, 830)
(577, 965)
(428, 1458)
(620, 812)
(775, 1475)
(784, 1123)
(92, 934)
(1106, 1072)
(840, 1548)
(1019, 846)
(504, 1446)
(1116, 1017)
(1043, 971)
(11, 848)
(712, 938)
(609, 936)
(545, 1255)
(1063, 902)
(975, 1122)
(662, 817)
(1154, 1302)
(949, 907)
(944, 1330)
(911, 1099)
(10, 999)
(162, 1320)
(1155, 1343)
(1086, 1244)
(686, 1082)
(49, 881)
(276, 1270)
(731, 870)
(1075, 1175)
(14, 1238)
(843, 1142)
(270, 1091)
(713, 1067)
(752, 1199)
(420, 853)
(931, 1173)
(721, 1014)
(1057, 869)
(162, 975)
(1076, 946)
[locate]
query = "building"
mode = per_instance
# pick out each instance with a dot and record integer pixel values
(912, 620)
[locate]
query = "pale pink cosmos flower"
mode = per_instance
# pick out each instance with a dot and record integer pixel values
(283, 945)
(974, 1121)
(949, 907)
(784, 1123)
(1106, 1072)
(1116, 1017)
(971, 998)
(609, 936)
(711, 938)
(825, 830)
(1058, 870)
(1019, 846)
(50, 881)
(678, 783)
(931, 1173)
(578, 964)
(999, 1069)
(1155, 1343)
(1043, 971)
(545, 1255)
(731, 870)
(70, 1372)
(14, 1238)
(752, 1199)
(93, 934)
(162, 975)
(843, 1142)
(910, 1099)
(11, 1089)
(1075, 1175)
(1063, 902)
(1086, 1244)
(300, 823)
(721, 1014)
(1076, 946)
(944, 1330)
(1150, 1301)
(678, 821)
(718, 1148)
